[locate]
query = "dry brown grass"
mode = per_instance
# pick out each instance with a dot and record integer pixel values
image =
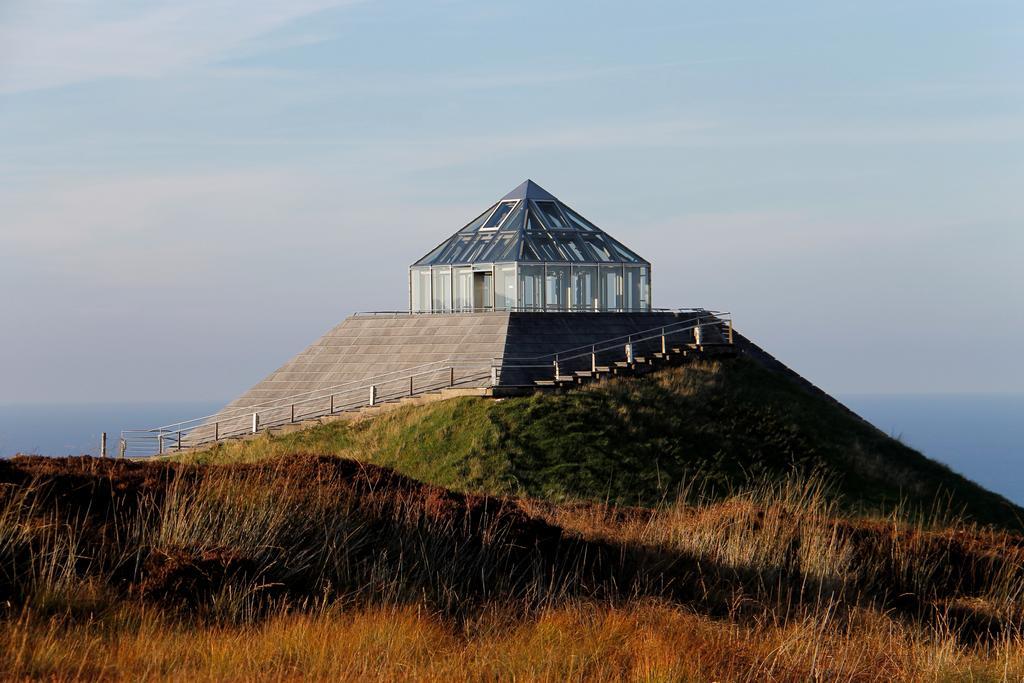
(579, 641)
(327, 569)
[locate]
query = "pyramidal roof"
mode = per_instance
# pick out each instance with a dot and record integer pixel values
(529, 224)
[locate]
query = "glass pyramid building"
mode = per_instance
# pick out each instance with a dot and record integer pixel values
(530, 252)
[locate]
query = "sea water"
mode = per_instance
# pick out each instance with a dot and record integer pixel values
(979, 436)
(74, 429)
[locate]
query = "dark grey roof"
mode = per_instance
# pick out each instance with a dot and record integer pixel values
(529, 190)
(529, 224)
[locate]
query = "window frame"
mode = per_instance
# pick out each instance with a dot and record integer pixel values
(513, 202)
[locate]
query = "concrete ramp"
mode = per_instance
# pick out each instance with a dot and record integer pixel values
(364, 347)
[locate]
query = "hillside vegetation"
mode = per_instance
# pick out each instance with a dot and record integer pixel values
(636, 441)
(326, 568)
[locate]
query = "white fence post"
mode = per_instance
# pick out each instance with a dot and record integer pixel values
(373, 394)
(255, 422)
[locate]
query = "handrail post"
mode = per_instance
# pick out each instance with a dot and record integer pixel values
(664, 346)
(332, 404)
(698, 335)
(373, 394)
(410, 385)
(122, 448)
(629, 350)
(593, 358)
(729, 322)
(292, 418)
(103, 445)
(160, 445)
(216, 431)
(255, 422)
(179, 439)
(451, 380)
(494, 375)
(557, 373)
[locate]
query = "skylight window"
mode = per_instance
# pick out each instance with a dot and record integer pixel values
(552, 216)
(500, 213)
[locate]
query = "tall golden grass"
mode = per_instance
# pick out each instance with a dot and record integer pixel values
(327, 569)
(640, 640)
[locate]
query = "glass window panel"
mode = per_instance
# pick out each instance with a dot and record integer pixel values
(622, 252)
(497, 247)
(531, 288)
(584, 288)
(510, 252)
(442, 288)
(632, 288)
(429, 258)
(421, 289)
(503, 209)
(577, 220)
(504, 287)
(475, 224)
(556, 288)
(532, 224)
(645, 288)
(473, 252)
(515, 221)
(573, 248)
(611, 288)
(454, 250)
(529, 251)
(545, 246)
(463, 289)
(551, 216)
(598, 247)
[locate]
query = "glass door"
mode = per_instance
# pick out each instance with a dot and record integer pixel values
(483, 285)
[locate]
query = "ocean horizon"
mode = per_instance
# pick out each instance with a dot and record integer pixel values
(980, 436)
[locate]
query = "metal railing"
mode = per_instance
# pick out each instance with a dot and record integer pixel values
(708, 327)
(529, 309)
(354, 395)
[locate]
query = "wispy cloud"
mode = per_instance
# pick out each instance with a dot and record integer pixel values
(49, 43)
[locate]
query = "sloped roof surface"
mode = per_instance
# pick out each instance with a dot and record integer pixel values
(530, 224)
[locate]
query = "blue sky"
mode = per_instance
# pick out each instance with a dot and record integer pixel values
(191, 192)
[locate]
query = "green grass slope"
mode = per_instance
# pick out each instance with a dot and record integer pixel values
(635, 441)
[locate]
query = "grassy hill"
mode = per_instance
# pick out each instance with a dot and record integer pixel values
(718, 425)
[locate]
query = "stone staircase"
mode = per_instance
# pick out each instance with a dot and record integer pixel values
(638, 365)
